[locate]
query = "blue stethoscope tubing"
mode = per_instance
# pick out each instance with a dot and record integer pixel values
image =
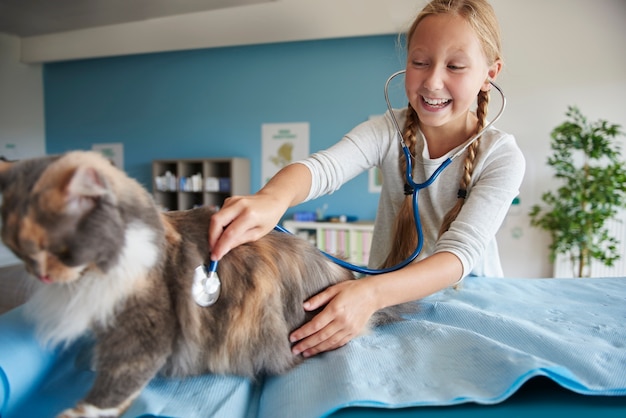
(415, 186)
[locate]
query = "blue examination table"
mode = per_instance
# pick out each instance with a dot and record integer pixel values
(492, 348)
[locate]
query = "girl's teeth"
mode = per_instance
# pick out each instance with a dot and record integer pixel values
(436, 102)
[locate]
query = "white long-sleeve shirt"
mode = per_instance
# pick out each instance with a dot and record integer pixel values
(498, 172)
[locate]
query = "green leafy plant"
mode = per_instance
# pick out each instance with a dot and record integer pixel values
(588, 163)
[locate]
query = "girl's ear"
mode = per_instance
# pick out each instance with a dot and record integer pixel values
(492, 74)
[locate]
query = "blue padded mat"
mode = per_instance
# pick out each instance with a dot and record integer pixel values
(477, 344)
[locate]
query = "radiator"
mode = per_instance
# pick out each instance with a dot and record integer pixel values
(617, 228)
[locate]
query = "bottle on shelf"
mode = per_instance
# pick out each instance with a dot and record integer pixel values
(187, 183)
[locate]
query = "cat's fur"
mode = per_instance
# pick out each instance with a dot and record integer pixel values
(115, 265)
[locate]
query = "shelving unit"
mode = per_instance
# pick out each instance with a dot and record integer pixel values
(187, 183)
(349, 240)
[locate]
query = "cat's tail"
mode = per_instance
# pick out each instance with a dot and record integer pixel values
(394, 313)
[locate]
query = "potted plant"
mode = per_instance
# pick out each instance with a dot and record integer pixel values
(588, 164)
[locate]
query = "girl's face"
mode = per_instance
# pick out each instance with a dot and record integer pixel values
(446, 67)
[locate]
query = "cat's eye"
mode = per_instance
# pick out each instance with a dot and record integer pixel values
(63, 253)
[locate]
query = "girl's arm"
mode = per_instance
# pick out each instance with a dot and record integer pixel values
(247, 218)
(349, 305)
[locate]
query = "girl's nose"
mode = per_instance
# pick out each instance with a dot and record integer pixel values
(433, 80)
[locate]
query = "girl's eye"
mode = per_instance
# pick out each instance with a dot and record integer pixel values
(419, 64)
(456, 67)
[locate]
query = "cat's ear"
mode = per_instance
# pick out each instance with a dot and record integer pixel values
(85, 186)
(5, 167)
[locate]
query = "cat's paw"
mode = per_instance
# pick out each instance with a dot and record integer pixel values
(84, 410)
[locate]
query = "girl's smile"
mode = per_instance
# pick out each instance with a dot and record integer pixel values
(435, 104)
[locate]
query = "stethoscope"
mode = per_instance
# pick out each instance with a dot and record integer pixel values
(206, 286)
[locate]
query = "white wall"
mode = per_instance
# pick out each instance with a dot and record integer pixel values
(21, 103)
(557, 53)
(21, 111)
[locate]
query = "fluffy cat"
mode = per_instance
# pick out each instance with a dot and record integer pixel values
(114, 265)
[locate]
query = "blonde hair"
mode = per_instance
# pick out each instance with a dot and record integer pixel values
(481, 17)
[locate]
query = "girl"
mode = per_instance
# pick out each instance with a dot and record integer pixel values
(453, 50)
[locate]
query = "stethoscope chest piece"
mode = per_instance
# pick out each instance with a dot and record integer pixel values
(206, 286)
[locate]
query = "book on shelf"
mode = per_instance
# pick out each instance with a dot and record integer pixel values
(347, 240)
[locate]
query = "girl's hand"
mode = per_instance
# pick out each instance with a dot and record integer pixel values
(247, 218)
(349, 306)
(242, 219)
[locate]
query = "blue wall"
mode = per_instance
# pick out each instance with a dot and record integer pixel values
(212, 103)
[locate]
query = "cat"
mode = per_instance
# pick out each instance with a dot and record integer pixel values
(115, 266)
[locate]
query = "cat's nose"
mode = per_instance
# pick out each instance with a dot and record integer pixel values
(42, 276)
(45, 279)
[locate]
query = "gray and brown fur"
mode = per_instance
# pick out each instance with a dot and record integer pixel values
(115, 265)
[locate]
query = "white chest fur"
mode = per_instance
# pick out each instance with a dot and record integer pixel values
(63, 312)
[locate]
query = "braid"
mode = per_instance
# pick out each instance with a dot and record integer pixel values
(404, 238)
(468, 165)
(409, 136)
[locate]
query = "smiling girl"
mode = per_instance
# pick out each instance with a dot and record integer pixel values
(453, 50)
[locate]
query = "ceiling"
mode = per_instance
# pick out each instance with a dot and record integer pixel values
(25, 18)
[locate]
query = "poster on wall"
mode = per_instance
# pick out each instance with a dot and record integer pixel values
(282, 143)
(9, 151)
(113, 151)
